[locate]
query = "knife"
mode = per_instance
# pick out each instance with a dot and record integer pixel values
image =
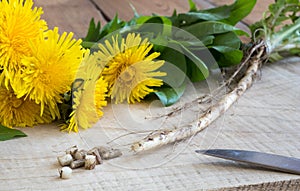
(266, 160)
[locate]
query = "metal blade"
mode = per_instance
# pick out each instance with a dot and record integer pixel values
(266, 160)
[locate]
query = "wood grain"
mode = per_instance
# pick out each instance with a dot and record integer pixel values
(124, 10)
(70, 15)
(291, 185)
(265, 119)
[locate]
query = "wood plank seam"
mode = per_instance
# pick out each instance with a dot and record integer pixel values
(105, 16)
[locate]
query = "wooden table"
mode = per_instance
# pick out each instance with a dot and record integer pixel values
(265, 119)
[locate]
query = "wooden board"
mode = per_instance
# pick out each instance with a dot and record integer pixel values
(266, 119)
(70, 15)
(124, 9)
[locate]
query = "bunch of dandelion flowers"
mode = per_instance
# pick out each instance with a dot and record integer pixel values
(49, 70)
(19, 24)
(130, 70)
(89, 94)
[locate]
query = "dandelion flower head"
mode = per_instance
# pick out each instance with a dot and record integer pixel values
(19, 24)
(50, 69)
(130, 70)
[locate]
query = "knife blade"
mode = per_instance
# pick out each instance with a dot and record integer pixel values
(266, 160)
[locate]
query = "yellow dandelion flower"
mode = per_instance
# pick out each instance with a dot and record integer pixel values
(130, 70)
(19, 24)
(20, 112)
(50, 70)
(89, 93)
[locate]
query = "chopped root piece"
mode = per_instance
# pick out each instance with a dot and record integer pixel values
(94, 151)
(72, 150)
(65, 160)
(80, 154)
(108, 153)
(65, 172)
(90, 162)
(77, 163)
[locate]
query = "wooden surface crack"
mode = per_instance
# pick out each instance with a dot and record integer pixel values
(105, 16)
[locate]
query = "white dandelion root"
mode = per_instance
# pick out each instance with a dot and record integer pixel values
(163, 137)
